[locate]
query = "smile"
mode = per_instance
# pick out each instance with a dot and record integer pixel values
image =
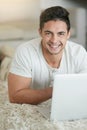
(54, 46)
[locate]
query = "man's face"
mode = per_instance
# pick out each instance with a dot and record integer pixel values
(54, 36)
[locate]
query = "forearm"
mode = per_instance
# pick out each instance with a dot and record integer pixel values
(31, 96)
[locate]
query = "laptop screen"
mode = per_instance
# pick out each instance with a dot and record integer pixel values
(69, 101)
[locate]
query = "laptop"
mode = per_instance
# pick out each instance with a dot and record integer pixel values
(69, 99)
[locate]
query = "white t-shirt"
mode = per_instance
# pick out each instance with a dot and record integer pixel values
(30, 62)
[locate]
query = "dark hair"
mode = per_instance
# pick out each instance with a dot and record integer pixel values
(55, 13)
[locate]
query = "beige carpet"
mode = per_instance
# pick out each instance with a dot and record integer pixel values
(27, 117)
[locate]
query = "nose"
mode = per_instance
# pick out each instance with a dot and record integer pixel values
(54, 39)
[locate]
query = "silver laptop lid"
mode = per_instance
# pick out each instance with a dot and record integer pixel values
(69, 101)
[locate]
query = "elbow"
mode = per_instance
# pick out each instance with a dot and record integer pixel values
(12, 99)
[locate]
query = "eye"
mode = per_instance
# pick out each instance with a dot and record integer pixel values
(61, 34)
(47, 33)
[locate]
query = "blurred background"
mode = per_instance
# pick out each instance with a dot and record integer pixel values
(19, 19)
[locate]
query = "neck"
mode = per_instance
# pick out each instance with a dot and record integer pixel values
(53, 60)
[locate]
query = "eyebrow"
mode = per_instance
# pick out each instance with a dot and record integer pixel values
(57, 32)
(48, 31)
(61, 32)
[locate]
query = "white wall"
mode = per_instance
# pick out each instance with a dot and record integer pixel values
(12, 10)
(65, 3)
(22, 15)
(19, 9)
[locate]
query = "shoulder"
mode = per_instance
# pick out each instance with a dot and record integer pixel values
(28, 49)
(75, 49)
(32, 43)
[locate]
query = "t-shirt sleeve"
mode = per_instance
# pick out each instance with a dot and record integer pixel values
(21, 63)
(81, 60)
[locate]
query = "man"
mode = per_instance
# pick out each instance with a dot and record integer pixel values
(31, 75)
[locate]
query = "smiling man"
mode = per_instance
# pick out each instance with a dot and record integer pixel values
(30, 79)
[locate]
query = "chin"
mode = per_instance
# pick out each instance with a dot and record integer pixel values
(54, 53)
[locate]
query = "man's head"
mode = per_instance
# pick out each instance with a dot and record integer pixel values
(55, 13)
(54, 30)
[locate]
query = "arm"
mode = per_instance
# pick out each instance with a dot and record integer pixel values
(20, 91)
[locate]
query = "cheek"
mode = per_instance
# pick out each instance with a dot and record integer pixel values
(45, 38)
(64, 39)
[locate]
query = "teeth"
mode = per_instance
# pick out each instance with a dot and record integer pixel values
(54, 46)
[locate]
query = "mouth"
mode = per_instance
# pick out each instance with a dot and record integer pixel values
(54, 47)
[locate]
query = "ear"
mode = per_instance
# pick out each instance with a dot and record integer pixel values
(40, 32)
(69, 34)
